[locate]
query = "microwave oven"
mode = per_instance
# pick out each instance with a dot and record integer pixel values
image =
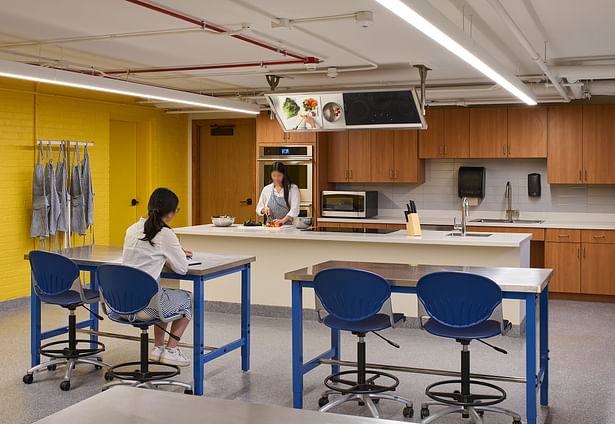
(349, 204)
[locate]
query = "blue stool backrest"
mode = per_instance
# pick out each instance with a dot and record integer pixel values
(351, 294)
(458, 299)
(53, 273)
(126, 290)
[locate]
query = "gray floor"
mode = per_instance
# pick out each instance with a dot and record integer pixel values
(582, 365)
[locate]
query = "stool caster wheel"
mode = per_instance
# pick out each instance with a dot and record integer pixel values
(424, 412)
(188, 392)
(408, 412)
(65, 386)
(361, 403)
(481, 413)
(516, 421)
(376, 401)
(52, 367)
(108, 376)
(98, 367)
(28, 378)
(323, 401)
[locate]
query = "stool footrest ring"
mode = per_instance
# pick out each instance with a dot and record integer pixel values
(334, 381)
(137, 375)
(67, 353)
(458, 399)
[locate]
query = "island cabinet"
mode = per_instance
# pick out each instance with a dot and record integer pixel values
(563, 255)
(349, 156)
(269, 131)
(565, 145)
(447, 134)
(489, 132)
(527, 132)
(537, 246)
(394, 157)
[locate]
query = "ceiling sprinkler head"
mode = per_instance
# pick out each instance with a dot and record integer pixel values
(281, 23)
(364, 18)
(332, 72)
(311, 66)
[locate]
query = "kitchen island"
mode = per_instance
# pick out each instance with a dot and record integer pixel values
(281, 249)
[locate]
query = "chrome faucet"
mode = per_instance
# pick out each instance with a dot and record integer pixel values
(465, 212)
(510, 212)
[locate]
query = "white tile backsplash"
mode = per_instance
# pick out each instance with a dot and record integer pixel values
(439, 192)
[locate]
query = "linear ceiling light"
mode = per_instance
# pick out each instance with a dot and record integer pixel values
(462, 46)
(90, 82)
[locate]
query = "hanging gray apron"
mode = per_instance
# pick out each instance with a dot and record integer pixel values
(39, 226)
(277, 205)
(88, 192)
(77, 211)
(52, 195)
(61, 189)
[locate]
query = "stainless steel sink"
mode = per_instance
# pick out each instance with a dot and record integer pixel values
(457, 234)
(505, 221)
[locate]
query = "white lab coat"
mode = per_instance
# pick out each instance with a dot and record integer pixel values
(294, 198)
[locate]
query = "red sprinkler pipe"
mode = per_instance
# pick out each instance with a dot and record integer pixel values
(196, 21)
(204, 67)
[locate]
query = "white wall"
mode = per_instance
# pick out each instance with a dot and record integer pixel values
(439, 192)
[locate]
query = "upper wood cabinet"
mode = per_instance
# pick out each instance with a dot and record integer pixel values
(565, 145)
(527, 132)
(337, 158)
(447, 134)
(359, 156)
(598, 144)
(268, 130)
(394, 157)
(488, 132)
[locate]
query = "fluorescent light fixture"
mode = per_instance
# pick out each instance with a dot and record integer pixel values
(463, 47)
(108, 85)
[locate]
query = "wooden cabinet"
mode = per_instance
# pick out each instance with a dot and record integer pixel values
(359, 156)
(269, 131)
(598, 236)
(447, 134)
(394, 157)
(564, 259)
(527, 132)
(488, 132)
(565, 145)
(598, 268)
(537, 246)
(337, 158)
(563, 235)
(598, 144)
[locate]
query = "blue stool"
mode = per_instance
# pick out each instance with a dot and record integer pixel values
(360, 302)
(463, 307)
(125, 291)
(57, 282)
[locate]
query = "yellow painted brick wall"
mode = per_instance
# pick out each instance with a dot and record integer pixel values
(30, 111)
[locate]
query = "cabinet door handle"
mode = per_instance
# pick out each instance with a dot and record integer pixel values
(580, 176)
(509, 149)
(445, 149)
(586, 175)
(504, 149)
(563, 235)
(583, 253)
(578, 252)
(599, 236)
(441, 150)
(390, 173)
(395, 175)
(345, 174)
(350, 174)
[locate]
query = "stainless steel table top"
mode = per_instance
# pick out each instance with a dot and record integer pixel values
(524, 280)
(127, 405)
(98, 255)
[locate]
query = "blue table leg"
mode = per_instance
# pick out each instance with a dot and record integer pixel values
(245, 318)
(544, 345)
(530, 358)
(198, 325)
(297, 342)
(335, 346)
(94, 308)
(35, 325)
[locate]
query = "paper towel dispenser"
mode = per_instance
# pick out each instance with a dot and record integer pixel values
(471, 181)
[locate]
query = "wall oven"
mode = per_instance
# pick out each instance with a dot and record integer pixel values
(349, 204)
(298, 161)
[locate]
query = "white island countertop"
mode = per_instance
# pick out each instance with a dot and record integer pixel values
(397, 237)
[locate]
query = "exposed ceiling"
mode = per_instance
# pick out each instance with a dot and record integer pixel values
(379, 55)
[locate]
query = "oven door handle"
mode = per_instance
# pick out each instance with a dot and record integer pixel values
(287, 159)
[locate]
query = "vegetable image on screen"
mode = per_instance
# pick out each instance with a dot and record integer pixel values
(310, 105)
(290, 108)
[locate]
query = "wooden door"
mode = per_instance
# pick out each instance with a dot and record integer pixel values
(564, 259)
(359, 156)
(431, 140)
(408, 168)
(599, 144)
(527, 132)
(565, 145)
(598, 268)
(227, 171)
(457, 133)
(382, 159)
(268, 130)
(337, 160)
(122, 179)
(488, 133)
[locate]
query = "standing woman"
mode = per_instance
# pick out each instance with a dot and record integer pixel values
(279, 200)
(150, 244)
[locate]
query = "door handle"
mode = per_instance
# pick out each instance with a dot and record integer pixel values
(134, 202)
(586, 175)
(580, 176)
(350, 174)
(248, 201)
(390, 173)
(583, 253)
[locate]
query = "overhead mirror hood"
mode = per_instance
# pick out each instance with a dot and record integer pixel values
(331, 111)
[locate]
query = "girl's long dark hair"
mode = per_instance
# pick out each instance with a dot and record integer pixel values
(286, 182)
(161, 202)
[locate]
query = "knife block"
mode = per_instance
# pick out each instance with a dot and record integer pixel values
(413, 226)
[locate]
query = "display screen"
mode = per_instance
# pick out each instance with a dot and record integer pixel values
(388, 107)
(283, 151)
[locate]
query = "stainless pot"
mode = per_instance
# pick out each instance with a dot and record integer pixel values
(302, 223)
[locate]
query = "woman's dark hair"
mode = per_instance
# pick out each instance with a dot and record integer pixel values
(286, 182)
(161, 202)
